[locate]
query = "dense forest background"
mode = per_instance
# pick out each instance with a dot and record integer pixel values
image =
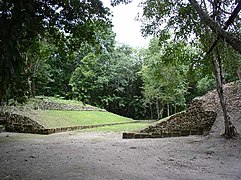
(67, 49)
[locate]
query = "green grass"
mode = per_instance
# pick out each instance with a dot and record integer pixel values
(133, 127)
(66, 118)
(56, 118)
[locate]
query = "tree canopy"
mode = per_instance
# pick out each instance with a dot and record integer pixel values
(23, 22)
(68, 49)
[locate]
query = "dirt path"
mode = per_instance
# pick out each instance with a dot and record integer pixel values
(102, 156)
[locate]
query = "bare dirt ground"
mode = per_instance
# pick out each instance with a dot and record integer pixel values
(102, 156)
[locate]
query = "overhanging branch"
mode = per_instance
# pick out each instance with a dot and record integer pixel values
(227, 24)
(214, 26)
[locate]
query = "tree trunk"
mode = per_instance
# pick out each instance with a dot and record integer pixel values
(175, 108)
(215, 27)
(229, 128)
(239, 73)
(158, 109)
(150, 106)
(161, 112)
(168, 109)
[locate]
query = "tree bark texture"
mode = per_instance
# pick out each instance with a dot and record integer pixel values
(151, 111)
(158, 109)
(229, 128)
(168, 109)
(215, 27)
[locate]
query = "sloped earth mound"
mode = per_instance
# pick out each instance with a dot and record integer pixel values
(195, 121)
(27, 118)
(202, 113)
(232, 93)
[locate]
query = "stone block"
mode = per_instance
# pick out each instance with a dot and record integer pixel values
(2, 128)
(137, 136)
(145, 135)
(156, 135)
(185, 132)
(193, 132)
(200, 131)
(176, 133)
(43, 131)
(166, 134)
(128, 135)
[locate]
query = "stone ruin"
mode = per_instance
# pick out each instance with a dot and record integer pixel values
(22, 124)
(13, 119)
(45, 104)
(195, 121)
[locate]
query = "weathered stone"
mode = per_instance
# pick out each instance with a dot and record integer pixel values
(45, 104)
(185, 132)
(164, 134)
(194, 132)
(128, 135)
(2, 128)
(194, 118)
(137, 136)
(176, 133)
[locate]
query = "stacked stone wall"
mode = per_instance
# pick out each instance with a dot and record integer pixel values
(51, 105)
(195, 121)
(23, 124)
(16, 119)
(3, 117)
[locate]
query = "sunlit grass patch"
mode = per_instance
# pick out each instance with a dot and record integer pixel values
(56, 118)
(131, 127)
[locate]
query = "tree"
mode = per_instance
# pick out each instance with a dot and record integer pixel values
(181, 17)
(165, 76)
(23, 22)
(111, 80)
(188, 18)
(38, 70)
(220, 11)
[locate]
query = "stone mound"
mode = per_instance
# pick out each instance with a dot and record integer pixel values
(204, 115)
(195, 119)
(232, 93)
(47, 104)
(22, 118)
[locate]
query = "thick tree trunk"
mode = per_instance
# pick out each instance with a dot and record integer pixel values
(230, 130)
(215, 27)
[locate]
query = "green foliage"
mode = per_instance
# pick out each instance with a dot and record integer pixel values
(205, 84)
(70, 24)
(116, 2)
(83, 78)
(165, 75)
(182, 18)
(111, 81)
(172, 20)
